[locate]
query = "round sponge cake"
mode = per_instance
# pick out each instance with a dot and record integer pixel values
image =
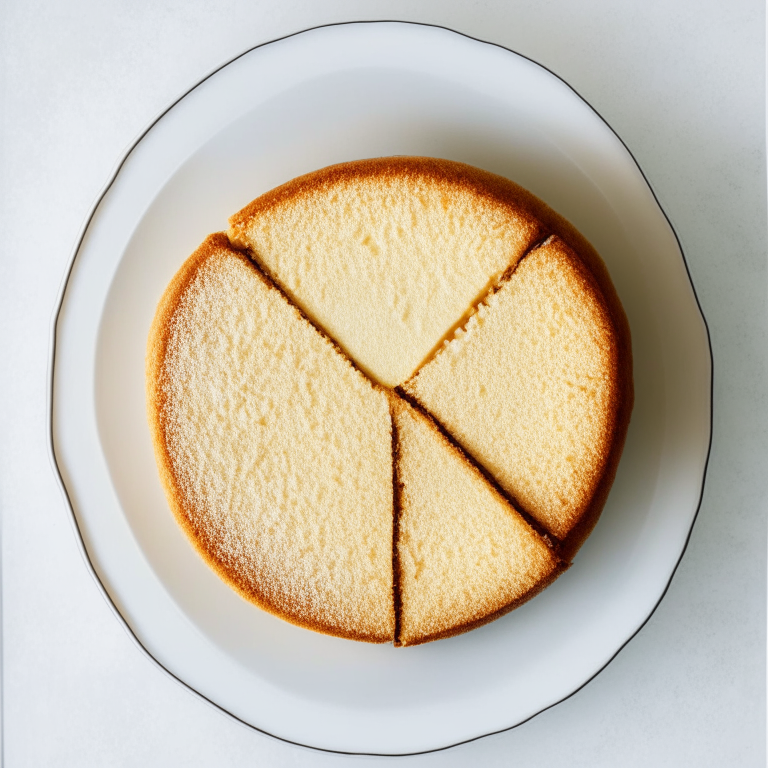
(390, 404)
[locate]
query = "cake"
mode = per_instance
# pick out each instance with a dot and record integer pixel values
(387, 255)
(275, 452)
(531, 388)
(463, 555)
(389, 403)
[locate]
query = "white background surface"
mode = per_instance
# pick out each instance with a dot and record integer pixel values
(683, 84)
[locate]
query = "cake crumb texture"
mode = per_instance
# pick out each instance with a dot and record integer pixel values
(274, 450)
(465, 556)
(530, 386)
(387, 254)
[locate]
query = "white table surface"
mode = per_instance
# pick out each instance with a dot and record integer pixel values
(683, 83)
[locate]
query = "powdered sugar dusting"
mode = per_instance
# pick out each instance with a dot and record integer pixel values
(281, 450)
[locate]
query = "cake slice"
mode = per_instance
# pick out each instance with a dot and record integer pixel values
(387, 255)
(274, 451)
(536, 388)
(464, 556)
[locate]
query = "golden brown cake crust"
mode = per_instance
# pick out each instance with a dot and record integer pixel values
(181, 507)
(459, 175)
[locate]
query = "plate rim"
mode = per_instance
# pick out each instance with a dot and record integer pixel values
(53, 330)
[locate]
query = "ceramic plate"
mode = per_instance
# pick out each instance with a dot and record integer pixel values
(324, 96)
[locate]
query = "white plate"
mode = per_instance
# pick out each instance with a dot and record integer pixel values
(324, 96)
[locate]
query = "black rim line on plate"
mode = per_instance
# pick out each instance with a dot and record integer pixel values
(52, 362)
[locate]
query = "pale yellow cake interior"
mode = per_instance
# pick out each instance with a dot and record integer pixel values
(529, 386)
(464, 553)
(386, 266)
(281, 453)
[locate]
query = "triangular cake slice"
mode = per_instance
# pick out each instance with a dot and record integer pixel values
(464, 555)
(386, 255)
(275, 452)
(536, 388)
